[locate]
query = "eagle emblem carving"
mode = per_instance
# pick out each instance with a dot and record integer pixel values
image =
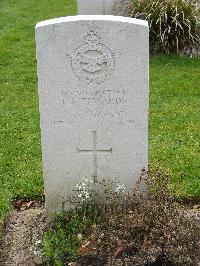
(92, 62)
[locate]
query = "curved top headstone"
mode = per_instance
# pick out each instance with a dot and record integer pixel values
(89, 18)
(93, 91)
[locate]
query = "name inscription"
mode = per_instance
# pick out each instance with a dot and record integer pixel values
(95, 96)
(101, 107)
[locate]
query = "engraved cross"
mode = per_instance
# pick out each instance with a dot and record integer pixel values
(95, 151)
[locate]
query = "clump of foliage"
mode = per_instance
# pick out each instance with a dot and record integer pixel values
(61, 242)
(173, 24)
(111, 227)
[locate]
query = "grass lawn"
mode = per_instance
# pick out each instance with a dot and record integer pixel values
(174, 120)
(174, 107)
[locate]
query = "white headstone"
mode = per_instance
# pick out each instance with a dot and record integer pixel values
(98, 7)
(93, 90)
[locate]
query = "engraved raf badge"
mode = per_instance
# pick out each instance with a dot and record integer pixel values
(92, 62)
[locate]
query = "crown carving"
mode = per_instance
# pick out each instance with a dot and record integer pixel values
(92, 37)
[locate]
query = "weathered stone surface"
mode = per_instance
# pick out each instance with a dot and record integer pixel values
(93, 90)
(98, 7)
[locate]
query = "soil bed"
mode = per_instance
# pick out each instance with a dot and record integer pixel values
(24, 228)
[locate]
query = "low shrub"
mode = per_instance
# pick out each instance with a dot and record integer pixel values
(173, 24)
(111, 227)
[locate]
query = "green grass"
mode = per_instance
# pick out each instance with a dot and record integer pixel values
(174, 120)
(174, 125)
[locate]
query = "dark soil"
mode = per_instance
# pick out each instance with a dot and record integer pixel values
(91, 260)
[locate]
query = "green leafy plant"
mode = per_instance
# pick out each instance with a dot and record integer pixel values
(173, 24)
(61, 242)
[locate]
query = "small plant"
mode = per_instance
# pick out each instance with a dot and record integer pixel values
(173, 24)
(113, 227)
(62, 242)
